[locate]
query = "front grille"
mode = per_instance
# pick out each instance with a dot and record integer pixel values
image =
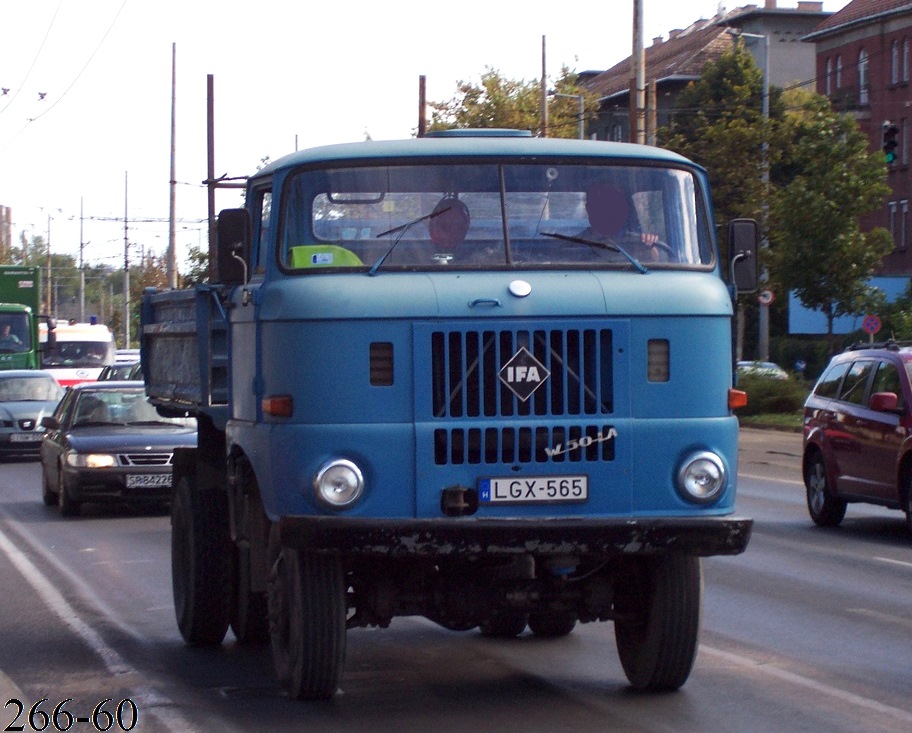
(465, 369)
(145, 459)
(524, 445)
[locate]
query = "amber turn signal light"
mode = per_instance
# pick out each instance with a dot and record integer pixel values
(736, 398)
(278, 405)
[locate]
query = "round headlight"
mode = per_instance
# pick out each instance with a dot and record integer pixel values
(702, 477)
(338, 484)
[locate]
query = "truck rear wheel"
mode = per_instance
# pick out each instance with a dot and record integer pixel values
(552, 624)
(307, 620)
(657, 638)
(504, 624)
(200, 563)
(249, 615)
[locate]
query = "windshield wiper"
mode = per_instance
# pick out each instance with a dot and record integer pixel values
(611, 246)
(402, 230)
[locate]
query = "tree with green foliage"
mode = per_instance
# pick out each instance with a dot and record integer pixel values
(830, 179)
(718, 122)
(515, 104)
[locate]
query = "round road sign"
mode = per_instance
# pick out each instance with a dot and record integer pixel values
(871, 324)
(766, 297)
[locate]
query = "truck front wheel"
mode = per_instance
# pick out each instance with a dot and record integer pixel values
(307, 623)
(200, 563)
(659, 628)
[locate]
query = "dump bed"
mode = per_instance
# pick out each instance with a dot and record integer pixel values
(184, 350)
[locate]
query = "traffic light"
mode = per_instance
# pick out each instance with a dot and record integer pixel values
(890, 131)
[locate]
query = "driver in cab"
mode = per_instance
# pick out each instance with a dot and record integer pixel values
(612, 218)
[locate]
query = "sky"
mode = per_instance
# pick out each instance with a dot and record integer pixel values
(86, 87)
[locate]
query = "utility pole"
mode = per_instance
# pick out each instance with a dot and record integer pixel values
(422, 105)
(172, 256)
(544, 93)
(47, 295)
(126, 278)
(82, 276)
(637, 79)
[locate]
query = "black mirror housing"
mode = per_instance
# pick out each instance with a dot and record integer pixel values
(233, 247)
(743, 246)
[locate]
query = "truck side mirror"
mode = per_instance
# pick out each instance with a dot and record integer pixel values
(233, 246)
(51, 343)
(743, 243)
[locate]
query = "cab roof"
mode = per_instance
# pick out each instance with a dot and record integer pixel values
(475, 144)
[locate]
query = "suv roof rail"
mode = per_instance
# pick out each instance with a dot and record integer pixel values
(889, 345)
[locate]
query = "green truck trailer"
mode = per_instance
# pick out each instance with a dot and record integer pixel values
(20, 302)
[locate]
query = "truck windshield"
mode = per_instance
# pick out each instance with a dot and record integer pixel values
(15, 336)
(485, 215)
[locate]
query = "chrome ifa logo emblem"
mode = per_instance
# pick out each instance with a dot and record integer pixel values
(523, 374)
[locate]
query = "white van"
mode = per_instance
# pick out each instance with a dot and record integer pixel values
(82, 351)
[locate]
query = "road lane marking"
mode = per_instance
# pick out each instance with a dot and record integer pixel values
(783, 675)
(152, 703)
(894, 562)
(879, 616)
(754, 476)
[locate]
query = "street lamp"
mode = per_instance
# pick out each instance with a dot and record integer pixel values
(582, 108)
(763, 314)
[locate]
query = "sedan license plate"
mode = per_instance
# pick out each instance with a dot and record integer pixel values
(534, 489)
(26, 437)
(141, 480)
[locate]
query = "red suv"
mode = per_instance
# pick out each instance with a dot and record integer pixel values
(858, 433)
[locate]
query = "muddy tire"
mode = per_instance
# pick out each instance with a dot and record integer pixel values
(307, 623)
(200, 563)
(658, 636)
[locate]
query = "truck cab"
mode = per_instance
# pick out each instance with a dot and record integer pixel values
(482, 378)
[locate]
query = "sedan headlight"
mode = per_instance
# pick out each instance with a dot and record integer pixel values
(702, 477)
(338, 484)
(91, 460)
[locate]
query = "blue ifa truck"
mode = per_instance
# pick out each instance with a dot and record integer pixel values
(478, 377)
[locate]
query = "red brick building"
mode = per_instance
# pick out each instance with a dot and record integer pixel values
(864, 63)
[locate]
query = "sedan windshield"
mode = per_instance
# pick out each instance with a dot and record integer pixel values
(494, 216)
(122, 407)
(30, 389)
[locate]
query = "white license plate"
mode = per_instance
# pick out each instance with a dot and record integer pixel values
(25, 437)
(141, 480)
(544, 489)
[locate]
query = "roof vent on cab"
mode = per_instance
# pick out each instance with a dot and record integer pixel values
(480, 132)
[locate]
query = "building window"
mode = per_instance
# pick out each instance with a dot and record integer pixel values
(905, 60)
(894, 62)
(617, 132)
(903, 152)
(839, 72)
(891, 207)
(863, 77)
(828, 78)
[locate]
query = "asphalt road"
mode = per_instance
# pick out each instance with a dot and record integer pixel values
(809, 630)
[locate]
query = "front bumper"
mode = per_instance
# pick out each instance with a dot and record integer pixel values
(110, 485)
(700, 536)
(18, 447)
